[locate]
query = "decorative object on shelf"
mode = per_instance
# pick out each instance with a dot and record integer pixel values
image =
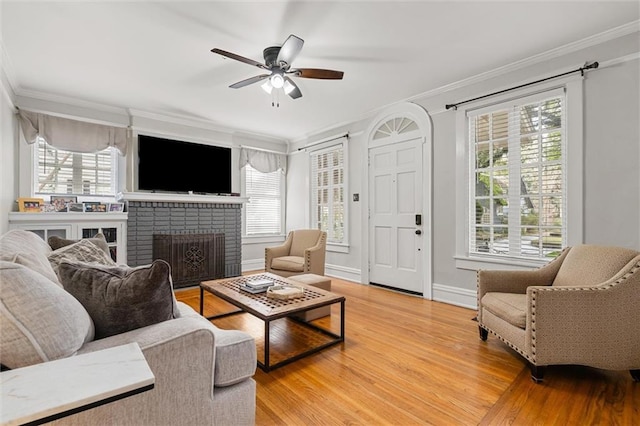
(76, 207)
(94, 206)
(30, 205)
(51, 208)
(284, 292)
(61, 202)
(116, 207)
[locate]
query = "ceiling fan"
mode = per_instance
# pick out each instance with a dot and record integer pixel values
(277, 60)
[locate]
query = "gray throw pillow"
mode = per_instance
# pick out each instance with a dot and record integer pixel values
(120, 298)
(56, 242)
(82, 251)
(39, 321)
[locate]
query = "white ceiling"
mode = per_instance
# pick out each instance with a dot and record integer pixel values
(154, 56)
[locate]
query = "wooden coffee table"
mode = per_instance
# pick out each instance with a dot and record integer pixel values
(268, 310)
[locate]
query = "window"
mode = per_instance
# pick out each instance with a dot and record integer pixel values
(328, 210)
(263, 212)
(518, 198)
(65, 172)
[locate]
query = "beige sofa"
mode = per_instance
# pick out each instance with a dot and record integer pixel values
(303, 252)
(203, 375)
(582, 308)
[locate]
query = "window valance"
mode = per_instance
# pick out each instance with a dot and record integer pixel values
(263, 161)
(72, 135)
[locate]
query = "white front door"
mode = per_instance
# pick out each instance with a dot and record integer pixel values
(395, 196)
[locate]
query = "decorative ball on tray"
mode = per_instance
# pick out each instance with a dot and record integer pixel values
(284, 292)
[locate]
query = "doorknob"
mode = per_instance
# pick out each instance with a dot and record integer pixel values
(418, 232)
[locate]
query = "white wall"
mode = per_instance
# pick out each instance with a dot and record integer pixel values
(611, 146)
(8, 155)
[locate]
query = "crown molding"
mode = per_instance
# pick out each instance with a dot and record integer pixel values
(68, 101)
(608, 35)
(196, 122)
(200, 123)
(557, 52)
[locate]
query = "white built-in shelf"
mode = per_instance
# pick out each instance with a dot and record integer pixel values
(77, 225)
(64, 217)
(180, 198)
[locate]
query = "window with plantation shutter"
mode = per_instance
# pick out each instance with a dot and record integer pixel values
(65, 172)
(517, 177)
(328, 210)
(263, 212)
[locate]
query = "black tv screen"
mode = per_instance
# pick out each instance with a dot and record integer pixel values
(177, 166)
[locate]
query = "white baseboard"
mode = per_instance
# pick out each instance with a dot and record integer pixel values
(455, 296)
(343, 272)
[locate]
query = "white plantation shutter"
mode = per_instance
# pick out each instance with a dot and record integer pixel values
(66, 172)
(264, 209)
(328, 192)
(518, 177)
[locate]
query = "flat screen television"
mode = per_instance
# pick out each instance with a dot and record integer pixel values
(178, 166)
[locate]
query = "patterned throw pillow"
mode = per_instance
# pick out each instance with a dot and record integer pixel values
(39, 320)
(82, 251)
(56, 242)
(120, 298)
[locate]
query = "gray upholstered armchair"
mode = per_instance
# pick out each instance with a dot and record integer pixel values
(582, 308)
(302, 253)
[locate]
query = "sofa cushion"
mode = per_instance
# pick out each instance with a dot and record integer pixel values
(56, 242)
(83, 251)
(511, 307)
(120, 298)
(589, 265)
(27, 249)
(288, 263)
(39, 320)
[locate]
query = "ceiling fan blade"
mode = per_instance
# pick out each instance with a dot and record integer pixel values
(239, 58)
(295, 93)
(289, 50)
(318, 73)
(249, 81)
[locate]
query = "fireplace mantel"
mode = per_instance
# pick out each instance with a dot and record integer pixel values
(180, 198)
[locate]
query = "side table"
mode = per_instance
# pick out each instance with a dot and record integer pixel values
(51, 390)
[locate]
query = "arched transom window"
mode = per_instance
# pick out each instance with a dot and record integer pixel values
(395, 126)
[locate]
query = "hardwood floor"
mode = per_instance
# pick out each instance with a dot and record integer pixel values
(410, 361)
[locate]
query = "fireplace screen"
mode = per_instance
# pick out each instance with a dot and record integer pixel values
(193, 257)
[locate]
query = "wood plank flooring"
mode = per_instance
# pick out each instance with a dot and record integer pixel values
(410, 361)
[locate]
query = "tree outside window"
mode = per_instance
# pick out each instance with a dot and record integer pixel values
(519, 181)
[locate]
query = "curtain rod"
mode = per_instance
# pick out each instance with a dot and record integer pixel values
(263, 149)
(346, 135)
(581, 70)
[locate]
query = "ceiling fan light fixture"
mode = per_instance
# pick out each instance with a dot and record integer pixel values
(277, 80)
(267, 87)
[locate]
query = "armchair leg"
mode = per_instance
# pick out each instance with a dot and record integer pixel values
(537, 373)
(635, 374)
(483, 333)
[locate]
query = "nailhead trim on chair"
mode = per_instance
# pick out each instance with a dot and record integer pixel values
(534, 293)
(533, 316)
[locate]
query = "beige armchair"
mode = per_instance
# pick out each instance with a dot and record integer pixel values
(582, 308)
(302, 253)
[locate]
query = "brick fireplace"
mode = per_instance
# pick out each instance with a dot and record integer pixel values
(147, 218)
